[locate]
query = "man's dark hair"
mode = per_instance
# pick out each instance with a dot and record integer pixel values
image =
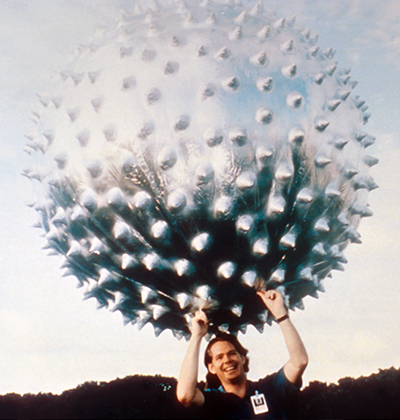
(231, 339)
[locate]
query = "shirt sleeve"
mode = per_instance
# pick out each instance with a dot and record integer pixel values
(281, 387)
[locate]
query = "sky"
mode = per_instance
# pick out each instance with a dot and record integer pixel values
(52, 340)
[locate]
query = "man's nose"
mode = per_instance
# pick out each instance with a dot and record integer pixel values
(227, 358)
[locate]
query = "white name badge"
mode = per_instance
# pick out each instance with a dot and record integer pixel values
(259, 403)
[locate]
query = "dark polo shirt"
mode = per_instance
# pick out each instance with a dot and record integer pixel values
(276, 388)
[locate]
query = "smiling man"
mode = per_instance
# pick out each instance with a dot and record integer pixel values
(226, 358)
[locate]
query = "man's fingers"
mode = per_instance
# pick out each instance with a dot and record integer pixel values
(269, 294)
(201, 316)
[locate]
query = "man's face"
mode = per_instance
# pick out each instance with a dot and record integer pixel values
(226, 362)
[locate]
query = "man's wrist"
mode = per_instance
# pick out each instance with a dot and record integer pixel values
(282, 318)
(197, 336)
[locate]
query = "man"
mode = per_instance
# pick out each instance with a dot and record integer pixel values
(238, 397)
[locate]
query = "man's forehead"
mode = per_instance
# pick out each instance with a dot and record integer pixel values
(221, 347)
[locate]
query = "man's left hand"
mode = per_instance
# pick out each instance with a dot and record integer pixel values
(274, 302)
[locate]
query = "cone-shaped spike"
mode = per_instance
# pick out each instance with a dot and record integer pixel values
(213, 137)
(275, 206)
(97, 247)
(321, 124)
(265, 84)
(167, 158)
(176, 201)
(278, 275)
(231, 84)
(208, 91)
(226, 270)
(249, 278)
(264, 154)
(333, 104)
(88, 200)
(260, 59)
(321, 160)
(223, 54)
(223, 206)
(93, 76)
(60, 217)
(296, 136)
(332, 190)
(237, 310)
(290, 70)
(244, 223)
(322, 225)
(260, 247)
(284, 171)
(257, 10)
(295, 100)
(263, 115)
(183, 267)
(128, 262)
(287, 46)
(75, 249)
(183, 300)
(246, 180)
(341, 142)
(305, 195)
(242, 17)
(306, 274)
(288, 240)
(318, 250)
(152, 261)
(201, 242)
(236, 34)
(204, 174)
(147, 294)
(264, 32)
(142, 200)
(78, 214)
(160, 229)
(105, 276)
(319, 78)
(363, 211)
(97, 103)
(158, 311)
(203, 292)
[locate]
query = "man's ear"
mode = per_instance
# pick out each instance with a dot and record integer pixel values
(211, 368)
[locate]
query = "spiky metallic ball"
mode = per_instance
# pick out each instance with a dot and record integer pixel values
(194, 153)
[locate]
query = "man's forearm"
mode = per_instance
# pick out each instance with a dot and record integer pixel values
(298, 360)
(187, 383)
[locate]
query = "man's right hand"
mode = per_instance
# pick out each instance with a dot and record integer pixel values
(199, 324)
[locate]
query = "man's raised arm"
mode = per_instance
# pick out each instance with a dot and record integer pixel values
(298, 360)
(187, 392)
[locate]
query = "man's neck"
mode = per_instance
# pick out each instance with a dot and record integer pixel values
(238, 388)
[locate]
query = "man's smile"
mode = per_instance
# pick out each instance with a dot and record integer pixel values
(231, 368)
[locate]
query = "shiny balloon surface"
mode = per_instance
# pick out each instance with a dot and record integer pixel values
(195, 152)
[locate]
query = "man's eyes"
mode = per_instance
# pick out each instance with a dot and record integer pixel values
(231, 353)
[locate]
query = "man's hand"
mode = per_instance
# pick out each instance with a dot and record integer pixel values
(274, 302)
(199, 324)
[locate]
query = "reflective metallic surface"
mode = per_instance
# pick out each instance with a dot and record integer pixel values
(192, 154)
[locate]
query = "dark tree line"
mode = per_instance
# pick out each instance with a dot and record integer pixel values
(153, 397)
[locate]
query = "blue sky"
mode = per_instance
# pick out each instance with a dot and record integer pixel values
(52, 340)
